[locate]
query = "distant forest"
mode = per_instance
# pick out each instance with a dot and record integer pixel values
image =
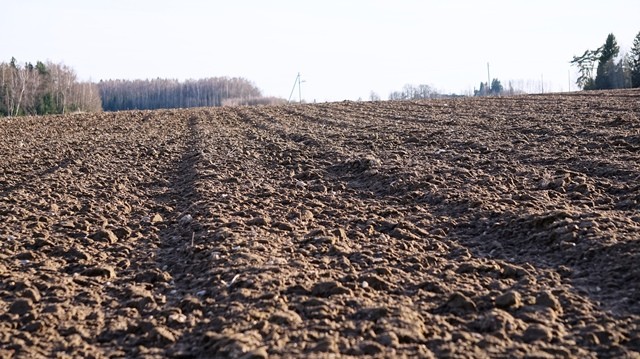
(48, 88)
(119, 95)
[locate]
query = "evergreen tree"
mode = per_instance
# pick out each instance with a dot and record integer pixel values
(635, 62)
(606, 65)
(482, 91)
(496, 87)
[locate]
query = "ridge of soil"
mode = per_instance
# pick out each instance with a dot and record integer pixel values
(493, 227)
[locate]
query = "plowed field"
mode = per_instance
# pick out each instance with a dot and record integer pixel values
(496, 227)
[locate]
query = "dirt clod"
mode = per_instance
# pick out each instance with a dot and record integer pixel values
(547, 299)
(537, 332)
(104, 236)
(99, 271)
(326, 289)
(459, 301)
(509, 299)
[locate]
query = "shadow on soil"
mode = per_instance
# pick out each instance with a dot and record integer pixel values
(602, 269)
(176, 254)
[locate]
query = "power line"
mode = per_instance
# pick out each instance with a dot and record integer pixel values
(298, 82)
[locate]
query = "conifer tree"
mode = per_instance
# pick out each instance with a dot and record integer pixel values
(635, 62)
(606, 66)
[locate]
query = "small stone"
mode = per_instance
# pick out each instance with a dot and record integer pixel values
(21, 306)
(509, 299)
(537, 332)
(156, 219)
(376, 282)
(186, 219)
(547, 299)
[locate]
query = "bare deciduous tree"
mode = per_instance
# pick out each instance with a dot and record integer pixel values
(167, 93)
(44, 89)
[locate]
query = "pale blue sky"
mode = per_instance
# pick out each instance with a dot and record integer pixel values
(344, 49)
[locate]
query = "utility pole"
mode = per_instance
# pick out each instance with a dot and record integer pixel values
(299, 88)
(488, 78)
(298, 82)
(542, 83)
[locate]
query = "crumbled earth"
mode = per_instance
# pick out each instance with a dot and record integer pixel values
(494, 227)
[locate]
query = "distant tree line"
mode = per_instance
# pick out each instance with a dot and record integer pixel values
(42, 89)
(613, 71)
(411, 92)
(421, 92)
(120, 95)
(48, 88)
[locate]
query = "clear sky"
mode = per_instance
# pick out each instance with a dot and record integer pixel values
(343, 49)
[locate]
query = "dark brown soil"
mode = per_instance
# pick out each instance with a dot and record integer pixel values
(497, 227)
